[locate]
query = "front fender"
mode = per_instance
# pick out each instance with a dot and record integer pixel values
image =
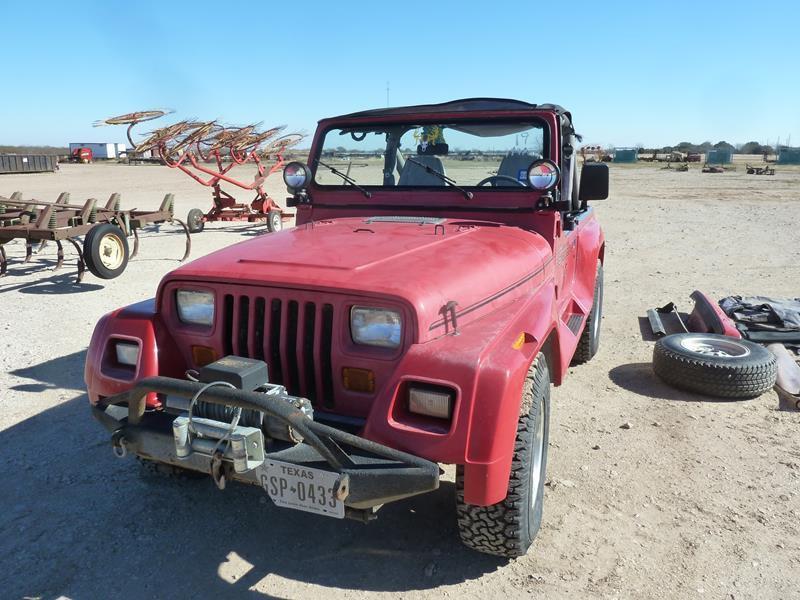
(138, 323)
(486, 363)
(498, 398)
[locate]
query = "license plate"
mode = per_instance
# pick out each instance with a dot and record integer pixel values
(301, 488)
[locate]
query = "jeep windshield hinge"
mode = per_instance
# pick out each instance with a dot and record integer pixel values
(450, 309)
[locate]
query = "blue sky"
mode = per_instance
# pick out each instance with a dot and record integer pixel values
(644, 72)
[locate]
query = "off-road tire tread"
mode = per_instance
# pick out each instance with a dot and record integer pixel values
(749, 379)
(499, 529)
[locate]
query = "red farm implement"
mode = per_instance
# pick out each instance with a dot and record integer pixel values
(208, 152)
(105, 230)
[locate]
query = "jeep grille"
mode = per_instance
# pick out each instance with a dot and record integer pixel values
(293, 337)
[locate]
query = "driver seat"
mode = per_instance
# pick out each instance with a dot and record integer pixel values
(413, 174)
(516, 167)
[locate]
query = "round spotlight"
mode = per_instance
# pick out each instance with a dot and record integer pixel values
(543, 175)
(296, 176)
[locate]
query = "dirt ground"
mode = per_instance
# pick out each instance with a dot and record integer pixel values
(697, 499)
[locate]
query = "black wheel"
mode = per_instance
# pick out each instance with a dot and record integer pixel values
(715, 365)
(105, 251)
(274, 221)
(509, 527)
(590, 338)
(195, 221)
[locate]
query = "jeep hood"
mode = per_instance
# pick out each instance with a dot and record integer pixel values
(424, 263)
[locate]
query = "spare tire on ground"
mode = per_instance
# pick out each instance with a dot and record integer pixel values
(714, 365)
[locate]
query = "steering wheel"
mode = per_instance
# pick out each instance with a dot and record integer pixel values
(493, 178)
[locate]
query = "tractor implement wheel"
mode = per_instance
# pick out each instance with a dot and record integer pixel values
(195, 220)
(105, 251)
(274, 221)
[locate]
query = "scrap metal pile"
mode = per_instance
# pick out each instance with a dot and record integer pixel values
(104, 249)
(208, 151)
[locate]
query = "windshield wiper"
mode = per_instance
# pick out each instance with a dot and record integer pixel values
(347, 178)
(449, 181)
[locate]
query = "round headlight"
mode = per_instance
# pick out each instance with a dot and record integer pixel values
(296, 176)
(543, 175)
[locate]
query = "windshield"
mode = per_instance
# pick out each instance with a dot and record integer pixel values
(459, 155)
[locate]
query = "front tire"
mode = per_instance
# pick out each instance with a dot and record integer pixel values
(509, 527)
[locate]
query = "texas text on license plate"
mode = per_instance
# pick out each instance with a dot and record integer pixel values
(301, 488)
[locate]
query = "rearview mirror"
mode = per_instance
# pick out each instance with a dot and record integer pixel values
(594, 182)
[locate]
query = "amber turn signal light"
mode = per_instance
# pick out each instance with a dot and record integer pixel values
(358, 380)
(203, 355)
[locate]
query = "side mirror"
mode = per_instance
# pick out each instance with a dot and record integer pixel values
(594, 182)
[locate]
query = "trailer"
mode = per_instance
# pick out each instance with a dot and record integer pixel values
(105, 229)
(106, 151)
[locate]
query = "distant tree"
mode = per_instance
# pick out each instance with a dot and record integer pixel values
(723, 145)
(685, 147)
(755, 148)
(705, 146)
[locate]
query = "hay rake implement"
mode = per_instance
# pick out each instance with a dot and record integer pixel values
(105, 230)
(207, 152)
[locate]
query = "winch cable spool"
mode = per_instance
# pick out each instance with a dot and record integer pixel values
(224, 413)
(215, 462)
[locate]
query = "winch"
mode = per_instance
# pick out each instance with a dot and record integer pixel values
(224, 433)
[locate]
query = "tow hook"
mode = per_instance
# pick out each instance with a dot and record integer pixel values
(218, 470)
(119, 445)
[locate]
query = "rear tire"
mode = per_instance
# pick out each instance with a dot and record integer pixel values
(509, 527)
(105, 251)
(195, 221)
(589, 342)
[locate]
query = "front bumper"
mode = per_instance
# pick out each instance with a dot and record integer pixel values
(370, 474)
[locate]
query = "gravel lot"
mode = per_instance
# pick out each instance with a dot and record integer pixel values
(697, 498)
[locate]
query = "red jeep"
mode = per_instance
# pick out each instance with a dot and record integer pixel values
(444, 272)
